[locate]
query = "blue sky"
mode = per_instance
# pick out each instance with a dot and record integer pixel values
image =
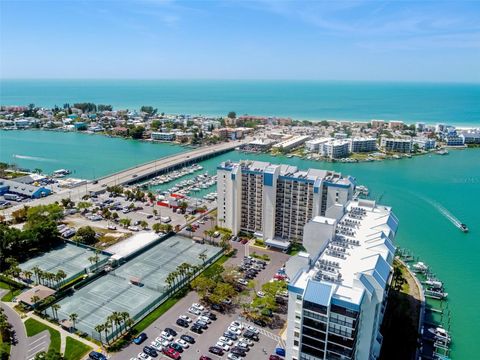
(322, 40)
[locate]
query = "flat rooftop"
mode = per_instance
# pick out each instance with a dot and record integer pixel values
(362, 237)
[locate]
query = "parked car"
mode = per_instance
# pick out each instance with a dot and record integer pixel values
(230, 335)
(188, 338)
(140, 338)
(231, 356)
(186, 318)
(210, 315)
(177, 347)
(251, 335)
(157, 345)
(182, 343)
(253, 329)
(237, 324)
(166, 336)
(217, 307)
(196, 329)
(97, 356)
(205, 319)
(222, 346)
(183, 323)
(260, 322)
(202, 324)
(215, 350)
(198, 306)
(171, 353)
(274, 357)
(238, 351)
(280, 351)
(204, 357)
(194, 311)
(225, 340)
(171, 331)
(150, 351)
(234, 330)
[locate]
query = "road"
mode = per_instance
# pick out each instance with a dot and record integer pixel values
(19, 348)
(128, 175)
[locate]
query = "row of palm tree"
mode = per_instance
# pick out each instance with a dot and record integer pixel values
(118, 322)
(184, 272)
(44, 277)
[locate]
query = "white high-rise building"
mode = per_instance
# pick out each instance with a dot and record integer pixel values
(338, 287)
(276, 201)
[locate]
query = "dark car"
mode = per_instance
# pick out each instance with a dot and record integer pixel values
(250, 276)
(230, 335)
(210, 315)
(215, 350)
(150, 351)
(260, 322)
(188, 338)
(274, 357)
(217, 307)
(280, 351)
(204, 357)
(237, 351)
(251, 335)
(97, 356)
(176, 347)
(171, 331)
(196, 329)
(140, 338)
(182, 322)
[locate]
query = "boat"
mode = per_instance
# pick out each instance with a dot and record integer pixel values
(420, 267)
(440, 334)
(435, 294)
(61, 173)
(442, 152)
(434, 283)
(463, 227)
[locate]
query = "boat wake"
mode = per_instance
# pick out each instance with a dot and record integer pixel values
(447, 214)
(34, 158)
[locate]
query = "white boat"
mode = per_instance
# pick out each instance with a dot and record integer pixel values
(434, 283)
(420, 267)
(440, 334)
(435, 294)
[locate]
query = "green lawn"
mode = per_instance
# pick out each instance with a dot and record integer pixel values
(75, 350)
(35, 327)
(11, 294)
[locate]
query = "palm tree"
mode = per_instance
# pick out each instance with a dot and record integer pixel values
(117, 319)
(34, 299)
(27, 275)
(125, 317)
(202, 257)
(106, 327)
(169, 281)
(36, 270)
(99, 328)
(55, 308)
(73, 318)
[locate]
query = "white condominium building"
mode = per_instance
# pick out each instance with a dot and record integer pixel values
(276, 201)
(358, 145)
(163, 136)
(335, 149)
(396, 145)
(338, 288)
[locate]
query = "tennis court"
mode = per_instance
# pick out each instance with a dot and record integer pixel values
(115, 292)
(68, 257)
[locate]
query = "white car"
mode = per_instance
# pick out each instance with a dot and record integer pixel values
(234, 330)
(144, 356)
(182, 343)
(186, 318)
(231, 356)
(242, 344)
(205, 319)
(237, 324)
(252, 328)
(260, 294)
(242, 282)
(157, 345)
(166, 336)
(246, 341)
(198, 306)
(225, 340)
(194, 311)
(222, 346)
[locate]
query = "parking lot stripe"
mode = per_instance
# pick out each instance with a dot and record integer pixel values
(40, 338)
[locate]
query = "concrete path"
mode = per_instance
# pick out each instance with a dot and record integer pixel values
(18, 351)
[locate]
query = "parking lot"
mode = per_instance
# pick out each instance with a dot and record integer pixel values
(268, 338)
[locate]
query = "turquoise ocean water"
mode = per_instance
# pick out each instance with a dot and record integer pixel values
(457, 104)
(418, 189)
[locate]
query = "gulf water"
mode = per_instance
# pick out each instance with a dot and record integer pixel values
(418, 189)
(457, 104)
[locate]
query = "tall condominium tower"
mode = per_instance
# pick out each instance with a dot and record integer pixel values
(276, 201)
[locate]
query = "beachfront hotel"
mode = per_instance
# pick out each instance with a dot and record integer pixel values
(338, 286)
(275, 202)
